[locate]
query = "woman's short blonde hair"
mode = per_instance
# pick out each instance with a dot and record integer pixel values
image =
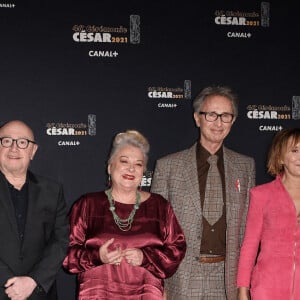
(279, 147)
(132, 138)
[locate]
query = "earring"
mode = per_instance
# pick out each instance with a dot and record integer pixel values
(109, 181)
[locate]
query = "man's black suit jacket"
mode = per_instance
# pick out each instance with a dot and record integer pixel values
(45, 239)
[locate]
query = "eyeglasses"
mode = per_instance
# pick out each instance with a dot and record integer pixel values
(212, 116)
(21, 143)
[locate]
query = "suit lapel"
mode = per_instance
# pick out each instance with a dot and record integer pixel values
(231, 192)
(190, 174)
(33, 197)
(234, 204)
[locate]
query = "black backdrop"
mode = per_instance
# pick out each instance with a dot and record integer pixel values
(81, 71)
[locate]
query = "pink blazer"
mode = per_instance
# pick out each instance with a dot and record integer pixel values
(271, 227)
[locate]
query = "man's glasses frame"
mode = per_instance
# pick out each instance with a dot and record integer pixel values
(22, 143)
(212, 116)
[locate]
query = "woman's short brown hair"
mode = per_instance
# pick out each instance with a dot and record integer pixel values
(278, 147)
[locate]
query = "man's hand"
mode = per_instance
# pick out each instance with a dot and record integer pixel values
(19, 288)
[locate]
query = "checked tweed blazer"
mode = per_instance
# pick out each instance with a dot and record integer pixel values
(176, 179)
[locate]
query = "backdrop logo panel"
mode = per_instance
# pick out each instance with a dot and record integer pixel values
(69, 133)
(263, 112)
(7, 5)
(243, 23)
(135, 32)
(265, 14)
(116, 35)
(146, 180)
(170, 97)
(296, 107)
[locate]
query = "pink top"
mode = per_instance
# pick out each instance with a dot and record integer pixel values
(271, 225)
(155, 231)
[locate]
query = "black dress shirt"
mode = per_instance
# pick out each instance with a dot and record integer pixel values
(20, 202)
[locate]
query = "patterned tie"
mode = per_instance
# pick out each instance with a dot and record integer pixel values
(213, 202)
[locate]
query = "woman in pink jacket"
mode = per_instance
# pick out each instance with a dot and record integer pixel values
(269, 264)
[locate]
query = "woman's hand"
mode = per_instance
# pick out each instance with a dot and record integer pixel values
(243, 293)
(113, 257)
(133, 256)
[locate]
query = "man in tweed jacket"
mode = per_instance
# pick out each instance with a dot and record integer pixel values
(209, 268)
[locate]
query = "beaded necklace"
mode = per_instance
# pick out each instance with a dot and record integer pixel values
(123, 224)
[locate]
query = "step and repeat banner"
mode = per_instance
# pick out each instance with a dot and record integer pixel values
(81, 71)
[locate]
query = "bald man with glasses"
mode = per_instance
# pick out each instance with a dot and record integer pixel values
(33, 223)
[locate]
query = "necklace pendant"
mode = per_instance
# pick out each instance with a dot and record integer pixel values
(123, 224)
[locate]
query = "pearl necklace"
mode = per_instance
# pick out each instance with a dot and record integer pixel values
(123, 224)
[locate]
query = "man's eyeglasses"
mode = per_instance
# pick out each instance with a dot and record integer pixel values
(22, 143)
(212, 116)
